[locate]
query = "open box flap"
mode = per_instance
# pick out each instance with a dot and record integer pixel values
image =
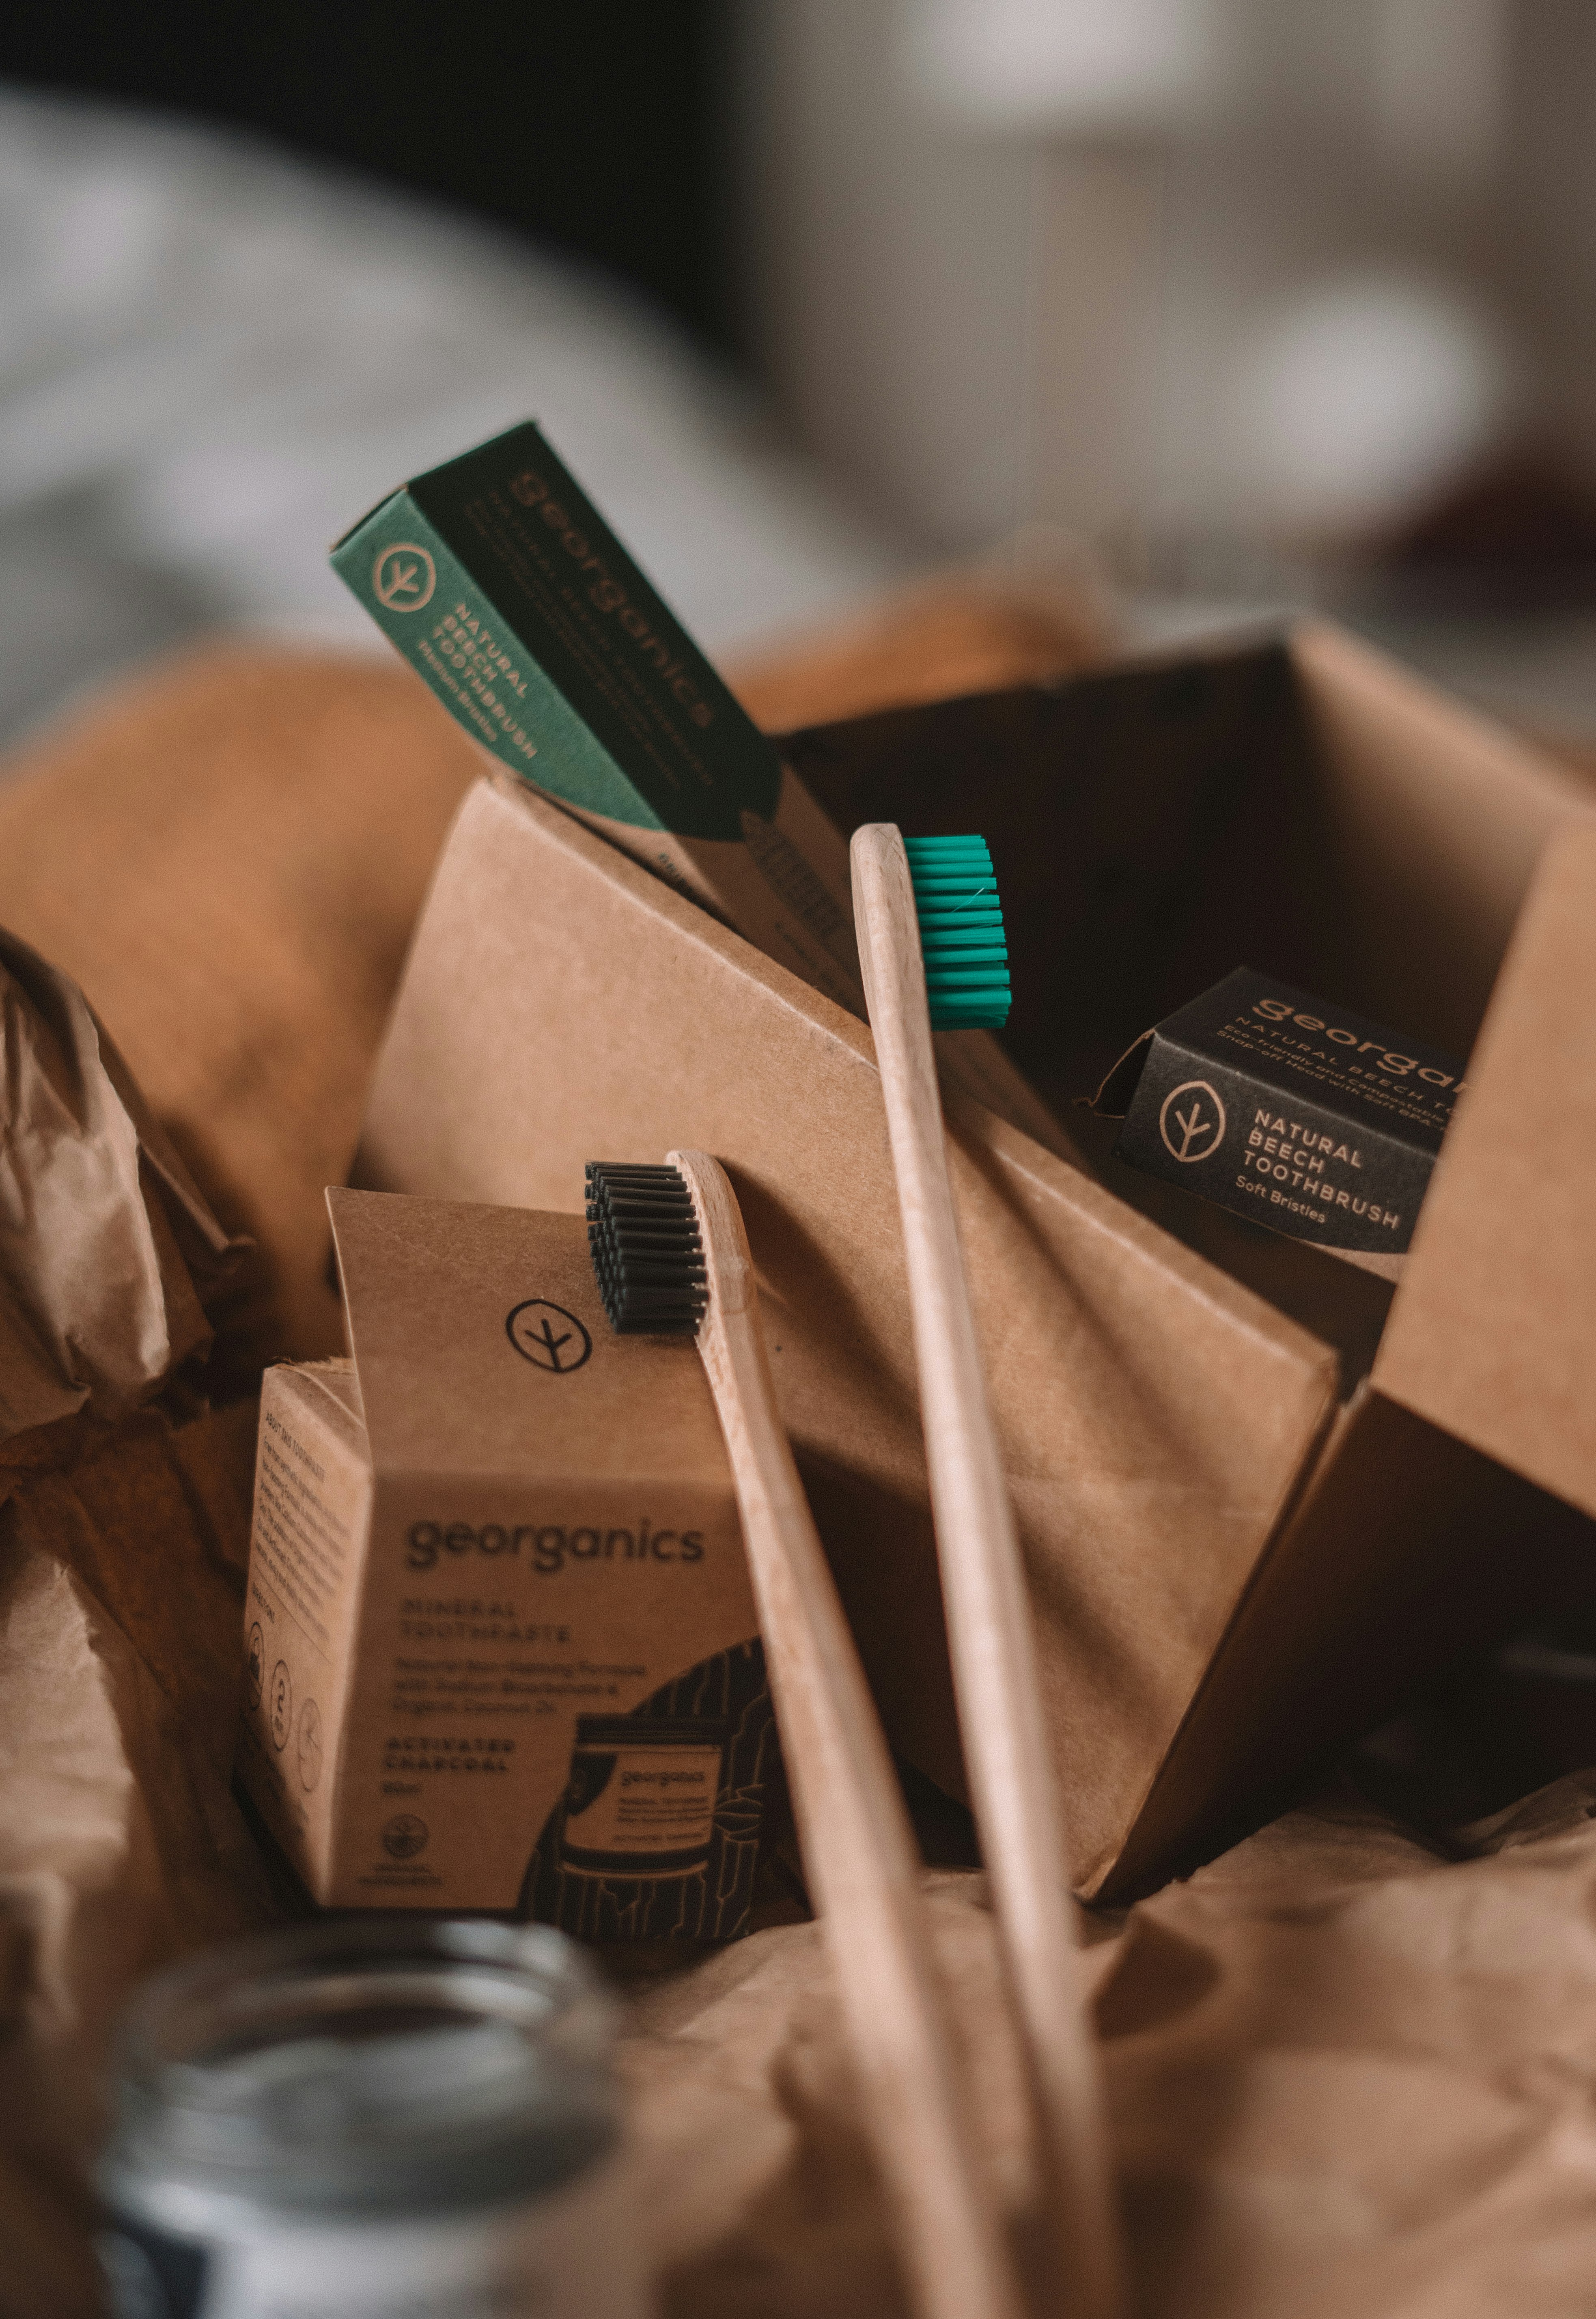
(1441, 815)
(1304, 803)
(1492, 1334)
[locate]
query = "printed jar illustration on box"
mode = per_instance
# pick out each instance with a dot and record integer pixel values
(503, 1650)
(640, 1801)
(657, 1834)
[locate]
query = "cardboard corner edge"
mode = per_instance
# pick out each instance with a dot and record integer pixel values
(1306, 1666)
(498, 809)
(1493, 1333)
(310, 1853)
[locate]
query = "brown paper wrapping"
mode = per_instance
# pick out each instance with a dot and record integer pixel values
(121, 1575)
(107, 1248)
(1346, 2074)
(121, 1846)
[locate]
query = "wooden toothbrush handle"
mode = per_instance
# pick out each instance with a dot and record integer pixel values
(858, 1852)
(1006, 1747)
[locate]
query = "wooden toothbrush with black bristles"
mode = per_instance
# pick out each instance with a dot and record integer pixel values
(671, 1258)
(933, 954)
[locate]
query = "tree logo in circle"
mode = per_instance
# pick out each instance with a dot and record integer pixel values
(548, 1336)
(403, 578)
(1192, 1121)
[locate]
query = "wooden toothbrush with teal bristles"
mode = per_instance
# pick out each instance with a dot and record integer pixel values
(934, 954)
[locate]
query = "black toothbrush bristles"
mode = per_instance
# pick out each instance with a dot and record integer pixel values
(642, 1236)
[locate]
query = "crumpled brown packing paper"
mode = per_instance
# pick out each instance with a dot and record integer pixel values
(1347, 2074)
(121, 1579)
(121, 1542)
(107, 1248)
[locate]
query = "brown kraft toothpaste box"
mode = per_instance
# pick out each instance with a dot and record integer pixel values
(1295, 1113)
(500, 1643)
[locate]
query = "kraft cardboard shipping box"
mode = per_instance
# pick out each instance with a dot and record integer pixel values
(501, 1647)
(1242, 1545)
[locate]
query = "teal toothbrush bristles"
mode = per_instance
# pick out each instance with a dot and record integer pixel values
(961, 933)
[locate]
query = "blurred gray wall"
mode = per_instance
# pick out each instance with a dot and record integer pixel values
(985, 301)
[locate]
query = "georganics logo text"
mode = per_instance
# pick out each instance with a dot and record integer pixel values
(549, 1546)
(1281, 1010)
(607, 592)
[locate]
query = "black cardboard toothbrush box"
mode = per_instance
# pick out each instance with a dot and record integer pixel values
(1294, 1114)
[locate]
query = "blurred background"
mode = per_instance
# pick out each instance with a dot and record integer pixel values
(1225, 307)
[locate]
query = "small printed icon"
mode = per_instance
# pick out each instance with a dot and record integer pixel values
(308, 1744)
(255, 1663)
(548, 1336)
(1192, 1121)
(403, 578)
(405, 1835)
(282, 1704)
